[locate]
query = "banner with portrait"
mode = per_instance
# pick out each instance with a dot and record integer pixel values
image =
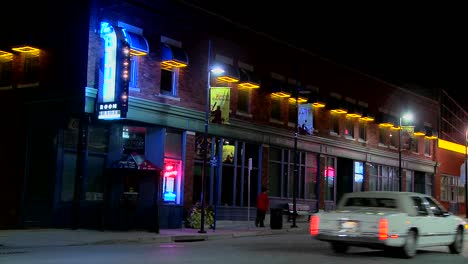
(305, 119)
(219, 104)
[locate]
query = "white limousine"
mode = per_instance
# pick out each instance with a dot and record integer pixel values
(402, 221)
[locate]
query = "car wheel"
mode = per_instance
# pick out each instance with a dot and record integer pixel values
(457, 246)
(339, 247)
(409, 249)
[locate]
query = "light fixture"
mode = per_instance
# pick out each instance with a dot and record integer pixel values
(300, 100)
(5, 55)
(247, 79)
(25, 49)
(173, 57)
(230, 74)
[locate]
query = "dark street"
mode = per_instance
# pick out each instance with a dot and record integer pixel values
(261, 249)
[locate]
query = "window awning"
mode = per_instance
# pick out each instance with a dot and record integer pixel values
(279, 88)
(430, 133)
(230, 73)
(386, 120)
(173, 56)
(336, 105)
(138, 44)
(248, 79)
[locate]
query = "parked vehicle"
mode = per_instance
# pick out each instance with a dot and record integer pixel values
(400, 221)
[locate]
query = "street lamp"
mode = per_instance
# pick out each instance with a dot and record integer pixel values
(295, 173)
(215, 70)
(408, 117)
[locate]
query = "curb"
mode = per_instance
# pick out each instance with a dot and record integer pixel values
(179, 238)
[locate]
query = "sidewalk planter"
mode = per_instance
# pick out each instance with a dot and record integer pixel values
(194, 216)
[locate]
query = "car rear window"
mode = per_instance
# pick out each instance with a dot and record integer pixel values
(371, 202)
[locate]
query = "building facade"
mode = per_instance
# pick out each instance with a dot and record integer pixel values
(129, 145)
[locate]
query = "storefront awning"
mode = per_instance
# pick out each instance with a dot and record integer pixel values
(173, 56)
(138, 44)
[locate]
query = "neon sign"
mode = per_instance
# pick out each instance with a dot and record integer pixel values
(171, 180)
(114, 76)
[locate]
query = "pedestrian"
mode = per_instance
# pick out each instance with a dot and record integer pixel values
(262, 206)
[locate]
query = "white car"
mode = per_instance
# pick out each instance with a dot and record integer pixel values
(402, 221)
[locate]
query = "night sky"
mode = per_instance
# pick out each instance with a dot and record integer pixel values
(420, 47)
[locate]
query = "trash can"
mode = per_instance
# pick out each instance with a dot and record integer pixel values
(276, 218)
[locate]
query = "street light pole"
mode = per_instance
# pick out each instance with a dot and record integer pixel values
(400, 184)
(205, 143)
(466, 173)
(294, 181)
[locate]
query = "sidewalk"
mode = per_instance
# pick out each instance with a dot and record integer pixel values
(29, 238)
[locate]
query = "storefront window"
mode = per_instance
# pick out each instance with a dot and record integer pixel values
(358, 176)
(96, 159)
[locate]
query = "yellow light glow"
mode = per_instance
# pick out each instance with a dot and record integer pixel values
(25, 49)
(419, 134)
(353, 115)
(4, 55)
(338, 111)
(281, 94)
(430, 137)
(300, 100)
(248, 85)
(451, 146)
(227, 79)
(137, 53)
(395, 128)
(367, 119)
(172, 63)
(385, 125)
(318, 105)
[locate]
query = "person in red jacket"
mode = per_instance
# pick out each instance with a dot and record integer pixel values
(262, 206)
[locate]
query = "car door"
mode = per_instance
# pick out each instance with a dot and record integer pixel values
(442, 225)
(422, 221)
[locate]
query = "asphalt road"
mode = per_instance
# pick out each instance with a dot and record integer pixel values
(285, 248)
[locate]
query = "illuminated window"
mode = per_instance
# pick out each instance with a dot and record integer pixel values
(329, 175)
(383, 178)
(349, 131)
(358, 176)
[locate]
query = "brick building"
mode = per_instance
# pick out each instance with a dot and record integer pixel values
(131, 135)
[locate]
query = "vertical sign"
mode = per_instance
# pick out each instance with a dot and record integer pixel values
(114, 75)
(219, 106)
(305, 119)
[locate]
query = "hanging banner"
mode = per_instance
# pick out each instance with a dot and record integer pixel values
(219, 104)
(407, 136)
(305, 119)
(463, 173)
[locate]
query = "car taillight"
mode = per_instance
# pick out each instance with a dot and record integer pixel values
(383, 229)
(314, 225)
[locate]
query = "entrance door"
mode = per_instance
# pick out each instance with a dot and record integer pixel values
(328, 176)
